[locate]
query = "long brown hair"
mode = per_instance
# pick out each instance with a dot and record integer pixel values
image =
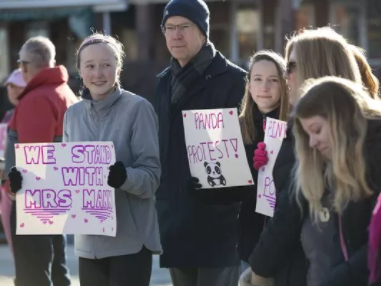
(246, 116)
(369, 80)
(347, 107)
(322, 52)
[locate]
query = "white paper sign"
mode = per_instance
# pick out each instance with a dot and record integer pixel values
(266, 194)
(65, 188)
(216, 153)
(3, 138)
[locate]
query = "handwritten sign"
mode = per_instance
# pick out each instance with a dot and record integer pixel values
(215, 148)
(3, 138)
(266, 194)
(65, 188)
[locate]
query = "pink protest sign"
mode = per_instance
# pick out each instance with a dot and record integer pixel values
(216, 153)
(266, 194)
(65, 188)
(3, 138)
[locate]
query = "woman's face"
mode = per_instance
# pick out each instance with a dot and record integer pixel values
(13, 92)
(319, 133)
(99, 70)
(264, 86)
(291, 76)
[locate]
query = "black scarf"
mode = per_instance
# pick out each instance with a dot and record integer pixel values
(184, 77)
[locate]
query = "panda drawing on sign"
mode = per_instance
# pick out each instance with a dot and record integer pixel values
(215, 178)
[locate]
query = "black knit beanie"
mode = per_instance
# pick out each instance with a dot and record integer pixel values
(195, 10)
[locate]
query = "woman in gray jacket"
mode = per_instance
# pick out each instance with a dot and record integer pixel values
(109, 113)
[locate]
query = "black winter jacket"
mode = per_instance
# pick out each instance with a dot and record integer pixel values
(194, 234)
(279, 253)
(252, 223)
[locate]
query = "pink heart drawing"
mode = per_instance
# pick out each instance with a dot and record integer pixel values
(24, 171)
(17, 146)
(250, 181)
(77, 191)
(263, 169)
(73, 215)
(231, 112)
(236, 155)
(259, 196)
(22, 225)
(51, 222)
(185, 115)
(38, 178)
(63, 145)
(44, 222)
(271, 152)
(86, 220)
(55, 168)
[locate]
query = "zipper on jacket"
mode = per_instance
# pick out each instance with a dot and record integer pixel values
(264, 123)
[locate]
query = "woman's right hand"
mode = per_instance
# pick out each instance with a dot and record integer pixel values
(15, 180)
(260, 156)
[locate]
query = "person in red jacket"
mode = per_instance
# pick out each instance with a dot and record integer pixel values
(15, 85)
(38, 118)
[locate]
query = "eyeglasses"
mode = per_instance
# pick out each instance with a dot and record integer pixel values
(290, 67)
(22, 62)
(171, 29)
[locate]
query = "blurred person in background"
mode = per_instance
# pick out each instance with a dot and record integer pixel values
(15, 84)
(40, 260)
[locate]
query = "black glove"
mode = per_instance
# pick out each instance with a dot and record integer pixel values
(193, 184)
(15, 180)
(117, 175)
(218, 196)
(205, 196)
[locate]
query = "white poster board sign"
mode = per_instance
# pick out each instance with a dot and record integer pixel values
(64, 188)
(216, 153)
(3, 138)
(266, 194)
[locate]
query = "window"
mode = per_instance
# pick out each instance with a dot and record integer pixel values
(248, 27)
(37, 29)
(4, 56)
(374, 29)
(347, 19)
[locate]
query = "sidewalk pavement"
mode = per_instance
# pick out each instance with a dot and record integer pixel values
(160, 277)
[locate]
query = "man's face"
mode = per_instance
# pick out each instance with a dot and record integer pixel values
(184, 39)
(25, 65)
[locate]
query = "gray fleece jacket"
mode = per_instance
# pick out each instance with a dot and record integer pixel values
(130, 122)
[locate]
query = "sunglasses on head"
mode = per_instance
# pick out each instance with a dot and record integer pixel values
(290, 67)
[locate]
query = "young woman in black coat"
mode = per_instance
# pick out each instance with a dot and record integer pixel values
(265, 96)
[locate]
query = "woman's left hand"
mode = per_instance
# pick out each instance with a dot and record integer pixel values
(117, 175)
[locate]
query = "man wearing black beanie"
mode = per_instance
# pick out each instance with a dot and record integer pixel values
(199, 228)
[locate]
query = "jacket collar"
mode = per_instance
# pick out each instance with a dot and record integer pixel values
(102, 106)
(218, 65)
(56, 75)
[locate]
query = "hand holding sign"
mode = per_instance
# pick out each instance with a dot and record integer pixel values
(260, 156)
(117, 175)
(15, 180)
